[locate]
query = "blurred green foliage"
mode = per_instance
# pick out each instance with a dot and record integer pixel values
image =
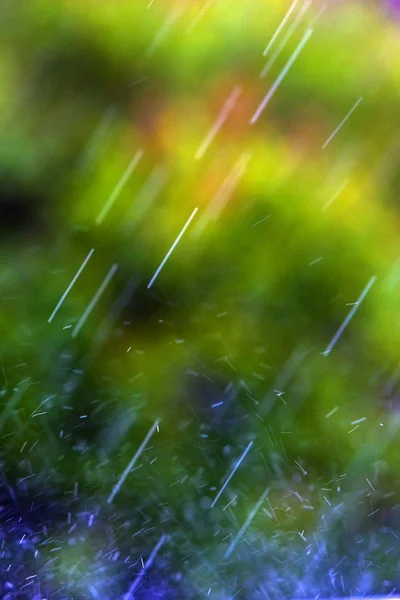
(286, 237)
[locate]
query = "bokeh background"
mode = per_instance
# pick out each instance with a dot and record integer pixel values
(117, 120)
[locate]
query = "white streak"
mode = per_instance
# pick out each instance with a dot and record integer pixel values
(342, 123)
(135, 584)
(119, 187)
(235, 468)
(335, 195)
(131, 464)
(199, 16)
(331, 412)
(69, 288)
(162, 32)
(172, 249)
(98, 137)
(246, 524)
(349, 316)
(94, 300)
(280, 27)
(318, 15)
(229, 185)
(261, 220)
(223, 115)
(225, 192)
(358, 421)
(282, 75)
(147, 194)
(287, 37)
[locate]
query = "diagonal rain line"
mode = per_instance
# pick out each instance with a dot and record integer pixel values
(119, 187)
(246, 524)
(349, 316)
(235, 468)
(137, 581)
(286, 39)
(69, 288)
(156, 274)
(339, 127)
(121, 480)
(282, 75)
(280, 26)
(218, 123)
(94, 300)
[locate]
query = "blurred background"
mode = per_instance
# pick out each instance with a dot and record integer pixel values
(227, 425)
